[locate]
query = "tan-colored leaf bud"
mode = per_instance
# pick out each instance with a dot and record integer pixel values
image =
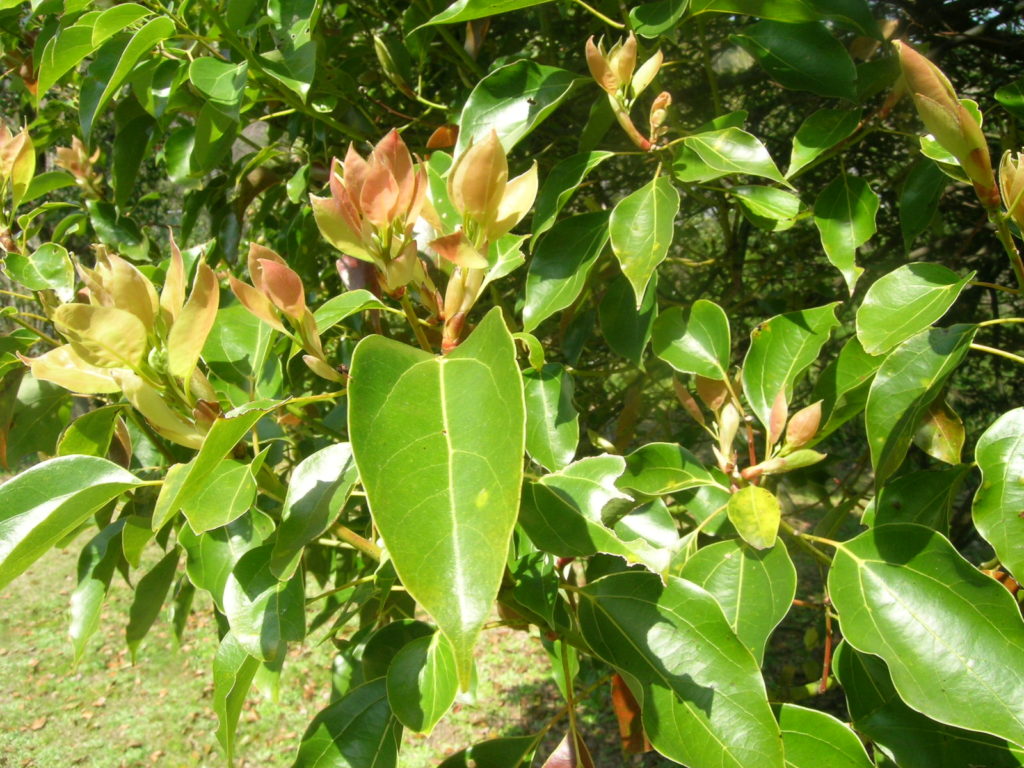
(321, 368)
(393, 154)
(646, 73)
(172, 297)
(283, 287)
(459, 251)
(777, 417)
(378, 199)
(659, 114)
(728, 426)
(687, 401)
(804, 425)
(712, 391)
(17, 162)
(77, 161)
(476, 182)
(622, 59)
(519, 195)
(782, 464)
(599, 68)
(1011, 184)
(258, 253)
(256, 302)
(194, 323)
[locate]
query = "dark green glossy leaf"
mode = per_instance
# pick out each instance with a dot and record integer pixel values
(780, 350)
(135, 128)
(45, 503)
(357, 731)
(467, 10)
(695, 342)
(48, 268)
(96, 565)
(44, 184)
(220, 82)
(855, 14)
(233, 672)
(729, 150)
(904, 302)
(641, 228)
(704, 702)
(925, 497)
(264, 614)
(844, 214)
(906, 383)
(512, 100)
(422, 682)
(915, 741)
(816, 739)
(755, 588)
(385, 643)
(919, 199)
(561, 264)
(150, 593)
(508, 752)
(237, 353)
(226, 494)
(1000, 499)
(453, 429)
(1011, 96)
(820, 132)
(945, 630)
(768, 208)
(117, 231)
(656, 18)
(804, 56)
(843, 386)
(318, 488)
(213, 555)
(755, 514)
(291, 57)
(627, 329)
(559, 186)
(659, 468)
(552, 424)
(90, 434)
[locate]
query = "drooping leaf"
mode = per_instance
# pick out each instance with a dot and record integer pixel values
(844, 214)
(422, 682)
(755, 588)
(641, 228)
(452, 429)
(45, 503)
(96, 565)
(150, 593)
(233, 672)
(589, 484)
(919, 199)
(559, 186)
(820, 132)
(767, 208)
(695, 342)
(905, 302)
(552, 423)
(905, 385)
(338, 308)
(999, 501)
(317, 489)
(813, 739)
(561, 264)
(704, 704)
(944, 629)
(512, 100)
(855, 14)
(780, 350)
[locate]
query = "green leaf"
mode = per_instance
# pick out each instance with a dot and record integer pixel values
(589, 484)
(237, 354)
(653, 19)
(552, 424)
(40, 409)
(49, 268)
(359, 730)
(919, 200)
(1011, 96)
(291, 56)
(135, 129)
(906, 383)
(512, 100)
(732, 150)
(915, 741)
(44, 184)
(820, 132)
(212, 556)
(453, 429)
(507, 752)
(136, 534)
(318, 488)
(755, 514)
(755, 588)
(704, 702)
(559, 186)
(220, 82)
(925, 497)
(780, 350)
(96, 565)
(233, 672)
(768, 208)
(264, 614)
(855, 14)
(905, 302)
(697, 342)
(805, 57)
(814, 739)
(626, 328)
(467, 10)
(44, 504)
(844, 214)
(226, 494)
(641, 228)
(945, 630)
(656, 469)
(422, 682)
(843, 386)
(999, 500)
(338, 308)
(150, 593)
(561, 264)
(119, 232)
(90, 434)
(940, 432)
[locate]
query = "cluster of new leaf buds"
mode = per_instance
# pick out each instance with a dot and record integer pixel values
(129, 339)
(614, 72)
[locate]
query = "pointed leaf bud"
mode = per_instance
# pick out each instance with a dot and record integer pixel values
(172, 297)
(284, 288)
(519, 195)
(646, 73)
(659, 114)
(256, 254)
(256, 302)
(188, 334)
(687, 401)
(782, 464)
(777, 417)
(712, 391)
(321, 369)
(476, 182)
(599, 68)
(622, 59)
(728, 426)
(804, 425)
(1011, 184)
(459, 251)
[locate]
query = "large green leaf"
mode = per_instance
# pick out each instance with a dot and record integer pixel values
(844, 214)
(552, 424)
(659, 468)
(237, 354)
(905, 302)
(337, 308)
(703, 698)
(467, 10)
(225, 495)
(96, 565)
(724, 151)
(39, 409)
(816, 739)
(220, 82)
(213, 555)
(695, 342)
(512, 100)
(805, 57)
(1000, 498)
(45, 503)
(952, 637)
(905, 385)
(820, 132)
(658, 17)
(561, 264)
(559, 185)
(422, 682)
(754, 587)
(233, 672)
(358, 730)
(439, 443)
(780, 350)
(150, 594)
(626, 328)
(641, 227)
(48, 268)
(854, 14)
(843, 386)
(291, 56)
(318, 488)
(915, 741)
(925, 497)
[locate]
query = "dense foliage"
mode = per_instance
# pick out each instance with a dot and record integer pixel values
(385, 324)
